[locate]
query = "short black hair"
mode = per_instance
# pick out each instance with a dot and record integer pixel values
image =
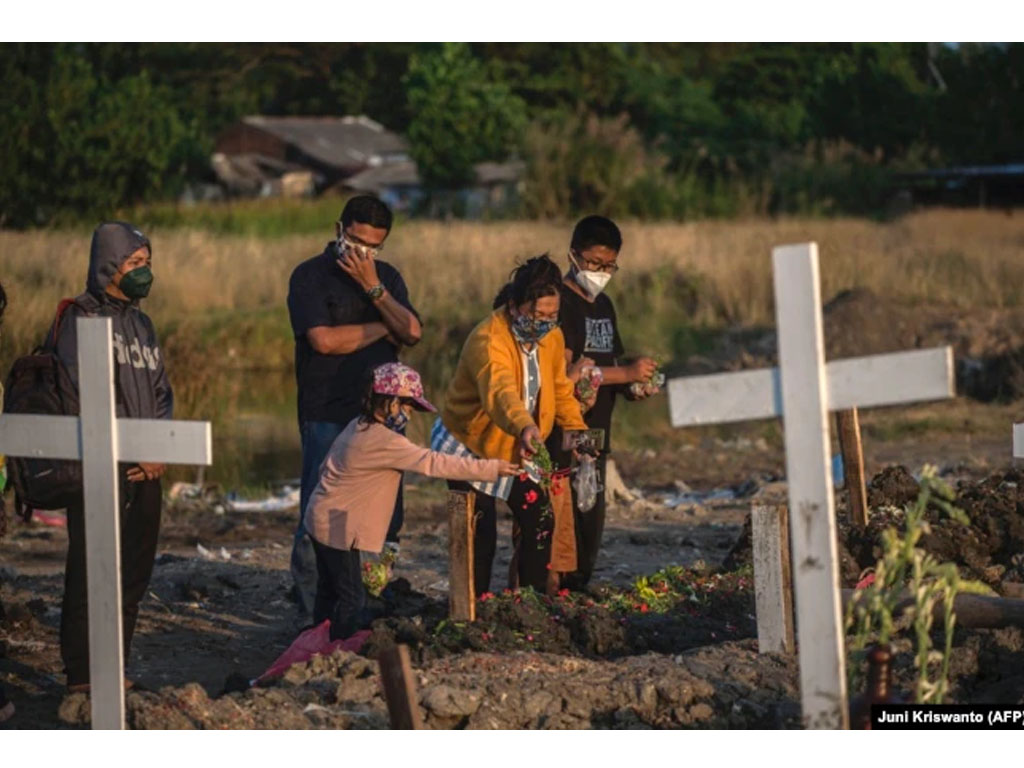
(366, 209)
(596, 230)
(531, 280)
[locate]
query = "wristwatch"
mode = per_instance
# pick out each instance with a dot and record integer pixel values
(376, 292)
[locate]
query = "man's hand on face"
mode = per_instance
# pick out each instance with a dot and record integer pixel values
(360, 266)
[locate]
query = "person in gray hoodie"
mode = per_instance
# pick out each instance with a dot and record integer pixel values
(120, 275)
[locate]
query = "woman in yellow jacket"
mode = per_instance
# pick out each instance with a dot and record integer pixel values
(510, 388)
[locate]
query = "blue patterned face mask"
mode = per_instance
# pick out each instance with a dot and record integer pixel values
(529, 330)
(397, 422)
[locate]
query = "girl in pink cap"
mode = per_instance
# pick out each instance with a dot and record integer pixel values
(350, 508)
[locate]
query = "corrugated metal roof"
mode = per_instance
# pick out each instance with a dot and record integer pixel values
(404, 174)
(335, 141)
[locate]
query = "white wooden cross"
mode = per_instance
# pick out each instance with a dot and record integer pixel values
(100, 440)
(802, 390)
(1018, 441)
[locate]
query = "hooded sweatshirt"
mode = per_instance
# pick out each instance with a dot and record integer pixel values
(141, 385)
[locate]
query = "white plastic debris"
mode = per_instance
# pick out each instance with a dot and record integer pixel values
(287, 499)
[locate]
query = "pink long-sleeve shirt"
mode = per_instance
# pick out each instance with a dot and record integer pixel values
(351, 506)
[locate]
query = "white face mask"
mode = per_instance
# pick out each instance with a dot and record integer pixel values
(591, 282)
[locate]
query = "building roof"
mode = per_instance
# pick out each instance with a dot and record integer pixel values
(334, 141)
(1008, 170)
(404, 174)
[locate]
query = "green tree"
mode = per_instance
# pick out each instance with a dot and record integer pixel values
(77, 144)
(461, 115)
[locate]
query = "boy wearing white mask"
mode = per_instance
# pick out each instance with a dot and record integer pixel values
(588, 322)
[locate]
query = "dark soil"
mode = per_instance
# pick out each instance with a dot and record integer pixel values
(574, 625)
(990, 550)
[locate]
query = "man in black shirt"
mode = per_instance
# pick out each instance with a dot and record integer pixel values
(588, 322)
(350, 312)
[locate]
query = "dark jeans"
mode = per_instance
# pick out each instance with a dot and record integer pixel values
(317, 439)
(140, 527)
(340, 594)
(531, 538)
(589, 529)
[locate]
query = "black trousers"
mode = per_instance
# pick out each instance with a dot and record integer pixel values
(141, 505)
(589, 530)
(531, 536)
(340, 594)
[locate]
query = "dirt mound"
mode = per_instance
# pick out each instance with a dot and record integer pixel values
(991, 549)
(669, 612)
(724, 686)
(988, 343)
(892, 487)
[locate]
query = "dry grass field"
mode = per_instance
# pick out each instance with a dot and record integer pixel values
(219, 300)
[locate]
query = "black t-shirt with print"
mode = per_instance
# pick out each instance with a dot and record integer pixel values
(320, 293)
(590, 330)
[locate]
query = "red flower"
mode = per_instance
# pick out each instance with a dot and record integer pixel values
(523, 477)
(486, 596)
(563, 593)
(525, 506)
(531, 497)
(644, 608)
(556, 489)
(529, 638)
(548, 566)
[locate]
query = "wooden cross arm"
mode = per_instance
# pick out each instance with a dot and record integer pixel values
(160, 441)
(854, 382)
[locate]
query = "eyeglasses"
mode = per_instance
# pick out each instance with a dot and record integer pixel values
(353, 242)
(590, 265)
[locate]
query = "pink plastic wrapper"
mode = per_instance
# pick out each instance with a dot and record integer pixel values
(54, 519)
(315, 641)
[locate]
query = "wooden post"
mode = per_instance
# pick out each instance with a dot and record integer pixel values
(400, 689)
(809, 474)
(773, 586)
(102, 524)
(461, 592)
(1018, 441)
(848, 426)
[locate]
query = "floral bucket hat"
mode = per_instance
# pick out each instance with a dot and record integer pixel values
(401, 381)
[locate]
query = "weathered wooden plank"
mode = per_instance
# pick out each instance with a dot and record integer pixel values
(461, 595)
(102, 528)
(772, 579)
(864, 382)
(848, 427)
(971, 611)
(400, 688)
(809, 474)
(1018, 441)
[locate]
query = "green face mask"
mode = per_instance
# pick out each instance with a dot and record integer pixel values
(136, 284)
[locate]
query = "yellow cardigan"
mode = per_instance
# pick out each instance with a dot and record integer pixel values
(484, 406)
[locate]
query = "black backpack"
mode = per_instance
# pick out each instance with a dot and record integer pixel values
(40, 384)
